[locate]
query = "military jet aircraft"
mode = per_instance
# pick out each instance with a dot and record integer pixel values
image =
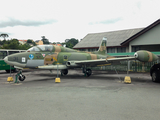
(50, 57)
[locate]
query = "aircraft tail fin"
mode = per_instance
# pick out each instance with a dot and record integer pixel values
(102, 47)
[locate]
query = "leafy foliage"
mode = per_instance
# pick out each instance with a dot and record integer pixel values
(24, 47)
(4, 36)
(31, 42)
(71, 43)
(13, 44)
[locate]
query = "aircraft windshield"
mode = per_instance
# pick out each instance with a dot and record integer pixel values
(33, 49)
(46, 47)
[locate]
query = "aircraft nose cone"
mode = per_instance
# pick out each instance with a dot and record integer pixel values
(10, 60)
(6, 59)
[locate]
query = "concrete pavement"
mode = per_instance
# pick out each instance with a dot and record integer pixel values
(101, 96)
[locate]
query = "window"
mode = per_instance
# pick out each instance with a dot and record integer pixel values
(3, 54)
(91, 49)
(135, 48)
(110, 50)
(121, 50)
(46, 47)
(82, 49)
(12, 52)
(33, 49)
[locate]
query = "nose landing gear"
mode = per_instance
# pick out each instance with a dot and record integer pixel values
(19, 76)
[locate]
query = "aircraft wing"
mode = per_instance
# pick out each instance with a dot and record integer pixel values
(142, 55)
(120, 59)
(101, 61)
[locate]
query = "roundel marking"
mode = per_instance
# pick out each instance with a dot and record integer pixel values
(31, 56)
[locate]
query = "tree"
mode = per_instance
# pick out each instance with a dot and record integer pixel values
(25, 46)
(71, 43)
(34, 44)
(4, 35)
(45, 41)
(11, 44)
(29, 41)
(1, 42)
(14, 44)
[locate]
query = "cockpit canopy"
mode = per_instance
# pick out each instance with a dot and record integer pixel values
(41, 48)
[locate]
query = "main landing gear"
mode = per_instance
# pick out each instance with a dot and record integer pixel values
(64, 72)
(87, 72)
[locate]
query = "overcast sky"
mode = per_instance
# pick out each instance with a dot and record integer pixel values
(58, 20)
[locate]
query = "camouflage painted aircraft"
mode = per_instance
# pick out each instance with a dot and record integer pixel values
(49, 57)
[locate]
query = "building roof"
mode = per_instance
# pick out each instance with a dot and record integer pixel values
(56, 44)
(23, 40)
(141, 32)
(114, 38)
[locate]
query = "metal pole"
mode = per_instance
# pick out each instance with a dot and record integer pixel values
(57, 70)
(10, 71)
(135, 66)
(117, 73)
(127, 67)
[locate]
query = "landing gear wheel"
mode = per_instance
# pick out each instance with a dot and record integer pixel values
(155, 76)
(64, 72)
(88, 72)
(22, 77)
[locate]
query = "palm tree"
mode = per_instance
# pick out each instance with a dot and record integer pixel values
(4, 35)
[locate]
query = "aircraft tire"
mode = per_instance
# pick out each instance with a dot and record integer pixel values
(22, 78)
(64, 72)
(155, 76)
(88, 72)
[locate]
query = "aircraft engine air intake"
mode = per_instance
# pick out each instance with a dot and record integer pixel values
(68, 63)
(71, 64)
(145, 56)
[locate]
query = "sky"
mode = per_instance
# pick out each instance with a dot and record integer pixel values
(59, 20)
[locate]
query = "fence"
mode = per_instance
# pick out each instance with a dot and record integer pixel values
(134, 66)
